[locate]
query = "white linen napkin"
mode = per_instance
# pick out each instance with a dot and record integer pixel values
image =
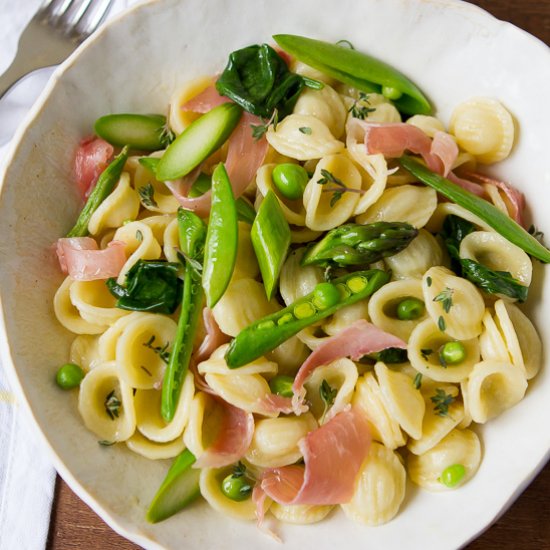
(27, 476)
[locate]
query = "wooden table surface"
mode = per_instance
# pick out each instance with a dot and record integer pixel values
(525, 526)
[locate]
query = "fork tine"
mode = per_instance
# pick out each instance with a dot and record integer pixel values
(68, 22)
(56, 10)
(101, 9)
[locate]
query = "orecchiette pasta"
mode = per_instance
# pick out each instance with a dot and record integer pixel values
(297, 281)
(302, 514)
(152, 450)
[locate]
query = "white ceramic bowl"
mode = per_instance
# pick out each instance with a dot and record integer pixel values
(451, 49)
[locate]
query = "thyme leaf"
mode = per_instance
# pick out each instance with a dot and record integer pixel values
(259, 130)
(161, 351)
(147, 195)
(441, 401)
(417, 382)
(358, 109)
(446, 299)
(426, 352)
(441, 324)
(328, 395)
(112, 405)
(305, 130)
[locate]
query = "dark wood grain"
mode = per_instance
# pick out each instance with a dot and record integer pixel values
(525, 526)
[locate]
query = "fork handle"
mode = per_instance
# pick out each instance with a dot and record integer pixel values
(29, 59)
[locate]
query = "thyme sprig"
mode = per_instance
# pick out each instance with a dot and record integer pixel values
(112, 405)
(339, 187)
(161, 351)
(328, 395)
(360, 111)
(442, 401)
(147, 195)
(259, 130)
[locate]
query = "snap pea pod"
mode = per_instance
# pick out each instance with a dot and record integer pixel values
(484, 210)
(354, 244)
(179, 488)
(269, 332)
(145, 132)
(357, 69)
(105, 184)
(221, 239)
(192, 233)
(270, 237)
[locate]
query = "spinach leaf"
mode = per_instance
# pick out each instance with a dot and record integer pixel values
(389, 356)
(150, 286)
(492, 282)
(258, 79)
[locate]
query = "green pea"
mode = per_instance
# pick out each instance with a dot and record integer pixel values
(286, 318)
(69, 376)
(282, 385)
(236, 488)
(453, 475)
(303, 311)
(290, 179)
(452, 353)
(391, 93)
(325, 295)
(357, 284)
(410, 309)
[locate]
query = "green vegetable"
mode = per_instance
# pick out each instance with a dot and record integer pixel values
(236, 488)
(192, 235)
(257, 79)
(198, 141)
(452, 475)
(442, 401)
(145, 132)
(150, 163)
(491, 215)
(282, 385)
(105, 184)
(290, 179)
(269, 332)
(151, 285)
(112, 405)
(179, 489)
(328, 395)
(353, 244)
(410, 309)
(69, 376)
(270, 237)
(492, 282)
(389, 356)
(452, 353)
(357, 69)
(221, 239)
(391, 93)
(325, 295)
(445, 298)
(200, 186)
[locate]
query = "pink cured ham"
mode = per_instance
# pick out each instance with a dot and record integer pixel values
(205, 101)
(214, 337)
(359, 339)
(272, 405)
(91, 158)
(333, 455)
(83, 261)
(474, 188)
(445, 149)
(233, 438)
(393, 139)
(244, 156)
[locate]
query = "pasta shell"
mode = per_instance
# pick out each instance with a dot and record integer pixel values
(300, 514)
(295, 280)
(153, 450)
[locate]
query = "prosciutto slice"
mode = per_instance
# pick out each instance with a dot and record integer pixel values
(91, 158)
(333, 455)
(393, 139)
(214, 337)
(474, 188)
(272, 404)
(83, 261)
(359, 339)
(205, 101)
(233, 438)
(445, 149)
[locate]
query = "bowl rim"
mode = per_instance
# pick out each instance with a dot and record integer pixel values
(124, 528)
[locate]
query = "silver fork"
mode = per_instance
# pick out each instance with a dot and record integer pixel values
(54, 32)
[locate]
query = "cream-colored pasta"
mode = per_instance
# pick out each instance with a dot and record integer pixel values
(149, 420)
(484, 128)
(322, 212)
(402, 400)
(430, 125)
(423, 351)
(299, 235)
(121, 205)
(275, 440)
(326, 105)
(85, 351)
(341, 375)
(142, 349)
(290, 141)
(496, 198)
(380, 488)
(345, 316)
(210, 483)
(493, 387)
(299, 67)
(152, 450)
(158, 224)
(497, 253)
(436, 426)
(296, 281)
(383, 304)
(95, 303)
(140, 245)
(491, 342)
(422, 253)
(289, 356)
(202, 418)
(374, 175)
(301, 514)
(106, 404)
(368, 397)
(458, 447)
(243, 302)
(445, 209)
(312, 336)
(453, 303)
(171, 241)
(69, 316)
(375, 107)
(216, 365)
(293, 210)
(108, 340)
(246, 265)
(407, 203)
(179, 119)
(522, 340)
